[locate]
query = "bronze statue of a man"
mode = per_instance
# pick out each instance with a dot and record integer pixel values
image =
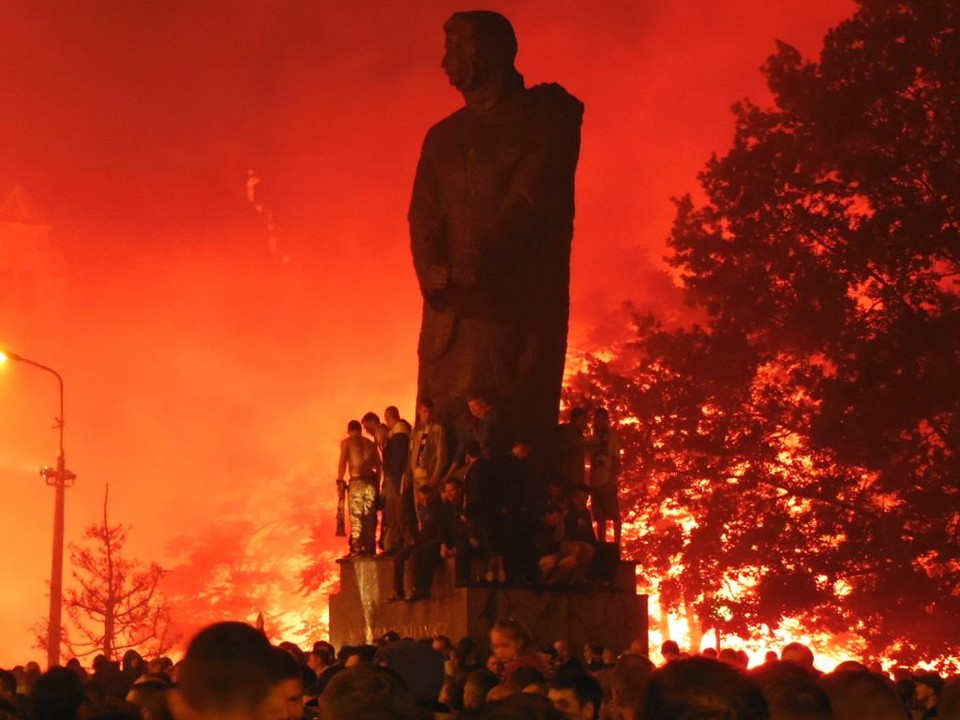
(491, 223)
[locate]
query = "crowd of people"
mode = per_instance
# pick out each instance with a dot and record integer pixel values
(231, 670)
(506, 512)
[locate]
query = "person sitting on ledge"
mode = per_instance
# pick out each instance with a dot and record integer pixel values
(425, 550)
(579, 530)
(454, 533)
(553, 566)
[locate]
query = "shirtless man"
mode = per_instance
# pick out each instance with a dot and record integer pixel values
(360, 455)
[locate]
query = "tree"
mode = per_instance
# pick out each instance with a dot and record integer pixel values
(258, 558)
(796, 452)
(117, 605)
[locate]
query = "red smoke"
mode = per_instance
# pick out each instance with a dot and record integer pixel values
(210, 370)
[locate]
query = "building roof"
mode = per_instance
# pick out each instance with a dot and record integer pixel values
(19, 208)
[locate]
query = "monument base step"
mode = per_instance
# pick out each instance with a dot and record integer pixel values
(360, 613)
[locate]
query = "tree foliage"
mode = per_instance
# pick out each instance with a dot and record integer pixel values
(795, 454)
(260, 557)
(116, 605)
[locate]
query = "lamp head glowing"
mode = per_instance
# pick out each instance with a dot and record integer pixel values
(3, 357)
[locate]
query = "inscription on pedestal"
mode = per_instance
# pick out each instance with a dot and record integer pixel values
(359, 613)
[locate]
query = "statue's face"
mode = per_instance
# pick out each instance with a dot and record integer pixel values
(463, 60)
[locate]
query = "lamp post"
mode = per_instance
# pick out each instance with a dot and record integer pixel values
(60, 478)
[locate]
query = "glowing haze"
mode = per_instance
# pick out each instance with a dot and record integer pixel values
(211, 356)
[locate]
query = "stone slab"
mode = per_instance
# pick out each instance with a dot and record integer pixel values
(359, 612)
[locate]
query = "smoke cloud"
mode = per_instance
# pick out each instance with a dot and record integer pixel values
(216, 329)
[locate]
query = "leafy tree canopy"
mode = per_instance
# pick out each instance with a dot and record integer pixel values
(795, 454)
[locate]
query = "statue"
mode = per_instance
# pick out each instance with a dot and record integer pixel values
(491, 224)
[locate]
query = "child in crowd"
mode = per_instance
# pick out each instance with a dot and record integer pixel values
(513, 648)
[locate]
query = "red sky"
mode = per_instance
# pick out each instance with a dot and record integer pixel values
(208, 380)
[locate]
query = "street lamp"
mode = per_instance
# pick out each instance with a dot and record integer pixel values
(60, 478)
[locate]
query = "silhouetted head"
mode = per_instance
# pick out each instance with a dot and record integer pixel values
(285, 699)
(521, 707)
(580, 495)
(576, 693)
(322, 655)
(370, 421)
(579, 418)
(57, 695)
(151, 697)
(354, 427)
(478, 405)
(426, 494)
(855, 694)
(425, 410)
(628, 683)
(522, 450)
(798, 653)
(369, 692)
(510, 638)
(132, 660)
(670, 650)
(479, 45)
(476, 687)
(791, 692)
(227, 671)
(452, 491)
(391, 416)
(696, 687)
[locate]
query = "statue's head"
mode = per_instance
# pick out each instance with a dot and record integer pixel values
(479, 44)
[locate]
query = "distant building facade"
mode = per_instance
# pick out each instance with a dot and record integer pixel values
(31, 273)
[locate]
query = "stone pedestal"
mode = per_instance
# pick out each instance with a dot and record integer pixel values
(359, 613)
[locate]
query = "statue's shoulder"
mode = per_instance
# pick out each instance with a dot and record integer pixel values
(447, 127)
(554, 98)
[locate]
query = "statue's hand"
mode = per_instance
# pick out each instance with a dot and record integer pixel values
(438, 278)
